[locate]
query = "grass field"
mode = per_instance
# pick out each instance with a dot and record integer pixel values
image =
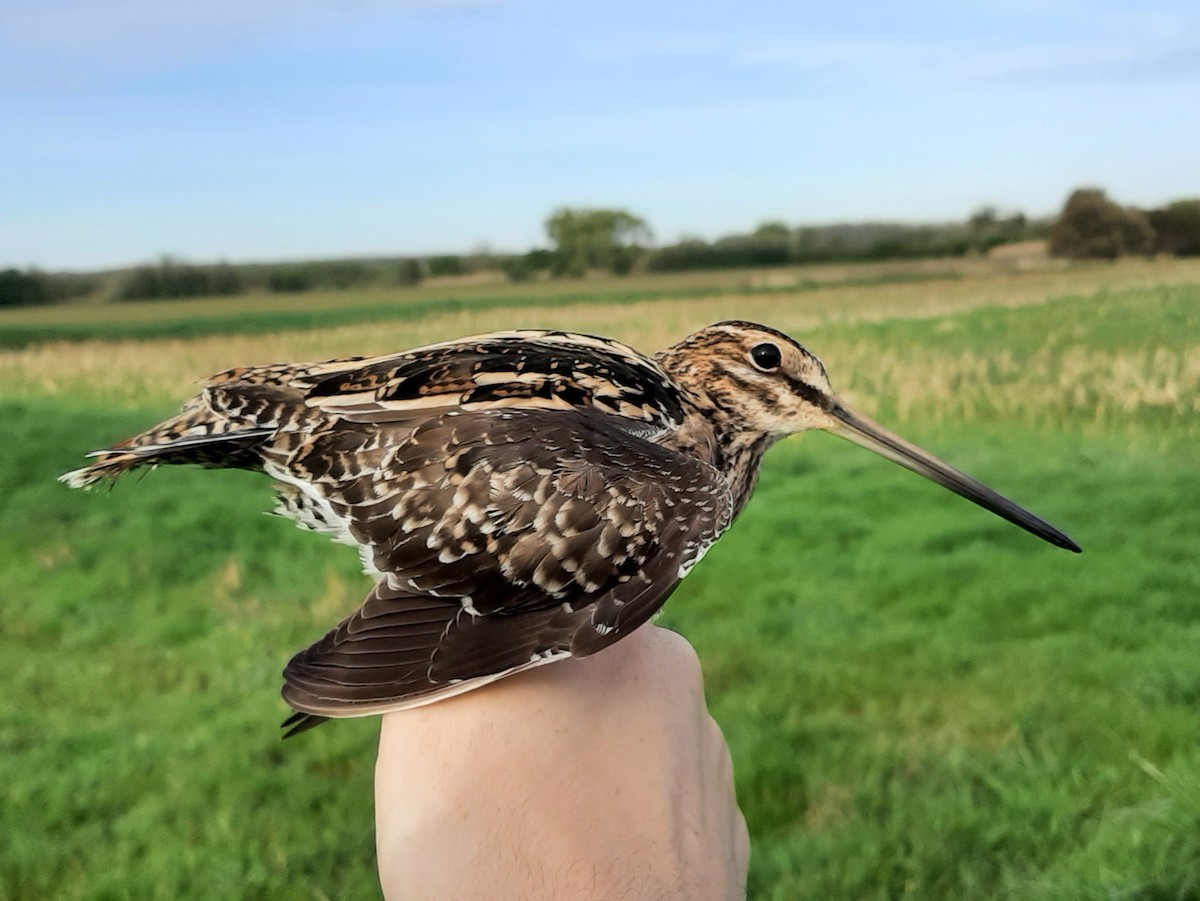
(922, 701)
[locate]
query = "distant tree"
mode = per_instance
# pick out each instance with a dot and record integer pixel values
(528, 265)
(18, 289)
(481, 259)
(1137, 234)
(142, 282)
(517, 269)
(688, 254)
(815, 244)
(342, 274)
(987, 228)
(984, 218)
(753, 250)
(541, 259)
(289, 279)
(445, 265)
(769, 244)
(600, 239)
(1177, 228)
(172, 279)
(772, 231)
(624, 259)
(1091, 226)
(59, 286)
(409, 272)
(224, 279)
(336, 275)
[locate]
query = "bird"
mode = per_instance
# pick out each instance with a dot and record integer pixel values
(519, 497)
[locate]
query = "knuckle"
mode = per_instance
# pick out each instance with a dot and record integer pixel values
(683, 655)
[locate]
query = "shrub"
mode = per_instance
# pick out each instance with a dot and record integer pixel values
(529, 265)
(19, 289)
(342, 274)
(769, 245)
(289, 279)
(224, 279)
(171, 279)
(986, 229)
(445, 265)
(34, 287)
(330, 274)
(517, 269)
(408, 272)
(688, 254)
(624, 259)
(1091, 226)
(1177, 228)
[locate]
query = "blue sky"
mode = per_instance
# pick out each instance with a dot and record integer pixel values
(242, 130)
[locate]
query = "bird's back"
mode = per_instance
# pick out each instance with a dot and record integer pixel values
(243, 412)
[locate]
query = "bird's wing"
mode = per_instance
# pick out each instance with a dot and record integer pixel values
(525, 369)
(504, 540)
(244, 414)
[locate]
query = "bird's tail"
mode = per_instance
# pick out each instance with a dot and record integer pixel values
(194, 435)
(301, 722)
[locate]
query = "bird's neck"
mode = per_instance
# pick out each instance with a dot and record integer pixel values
(743, 457)
(715, 433)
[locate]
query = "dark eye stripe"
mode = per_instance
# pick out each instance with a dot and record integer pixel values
(809, 393)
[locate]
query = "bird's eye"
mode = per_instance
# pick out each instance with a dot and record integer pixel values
(765, 356)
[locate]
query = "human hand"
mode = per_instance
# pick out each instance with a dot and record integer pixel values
(598, 778)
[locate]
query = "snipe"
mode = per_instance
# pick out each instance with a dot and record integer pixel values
(518, 497)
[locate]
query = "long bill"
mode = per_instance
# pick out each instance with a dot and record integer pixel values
(871, 435)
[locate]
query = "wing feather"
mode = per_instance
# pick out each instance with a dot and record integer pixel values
(525, 555)
(506, 491)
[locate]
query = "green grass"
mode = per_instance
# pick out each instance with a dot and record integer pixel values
(139, 755)
(1114, 361)
(922, 701)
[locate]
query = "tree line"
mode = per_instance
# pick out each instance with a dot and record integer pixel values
(172, 278)
(619, 242)
(34, 287)
(1090, 226)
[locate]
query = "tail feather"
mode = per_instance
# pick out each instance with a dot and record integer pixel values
(301, 722)
(195, 435)
(111, 465)
(221, 426)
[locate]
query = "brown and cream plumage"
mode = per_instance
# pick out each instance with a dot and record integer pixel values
(518, 497)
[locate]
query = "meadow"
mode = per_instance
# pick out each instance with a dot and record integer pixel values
(922, 701)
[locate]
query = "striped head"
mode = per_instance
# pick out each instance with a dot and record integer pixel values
(757, 379)
(759, 385)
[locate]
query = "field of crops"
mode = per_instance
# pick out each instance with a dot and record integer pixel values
(922, 701)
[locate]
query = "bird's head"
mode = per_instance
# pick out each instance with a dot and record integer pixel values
(761, 381)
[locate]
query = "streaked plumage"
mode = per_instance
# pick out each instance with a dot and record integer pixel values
(518, 497)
